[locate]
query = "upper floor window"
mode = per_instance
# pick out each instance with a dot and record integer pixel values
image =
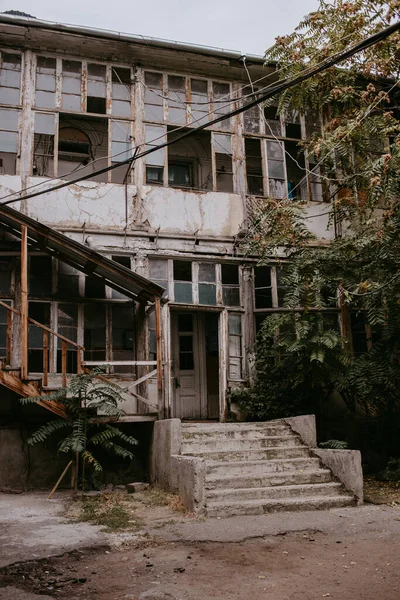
(83, 87)
(182, 100)
(9, 127)
(10, 78)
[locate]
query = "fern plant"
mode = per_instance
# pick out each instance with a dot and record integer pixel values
(84, 398)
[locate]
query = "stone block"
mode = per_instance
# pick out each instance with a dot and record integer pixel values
(137, 486)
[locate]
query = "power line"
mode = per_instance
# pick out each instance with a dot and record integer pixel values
(274, 89)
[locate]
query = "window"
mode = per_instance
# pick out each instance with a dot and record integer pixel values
(158, 271)
(10, 79)
(43, 152)
(199, 101)
(95, 332)
(176, 99)
(251, 117)
(71, 85)
(40, 276)
(221, 105)
(123, 335)
(235, 346)
(359, 330)
(96, 89)
(276, 169)
(124, 261)
(155, 161)
(189, 160)
(40, 312)
(262, 287)
(223, 162)
(121, 92)
(94, 287)
(295, 168)
(272, 121)
(183, 281)
(9, 125)
(152, 336)
(230, 285)
(254, 170)
(186, 349)
(153, 97)
(6, 270)
(67, 323)
(45, 82)
(121, 148)
(3, 332)
(207, 284)
(68, 281)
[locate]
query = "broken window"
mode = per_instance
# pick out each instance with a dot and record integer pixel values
(254, 170)
(251, 117)
(155, 135)
(67, 325)
(40, 312)
(199, 101)
(9, 123)
(235, 346)
(6, 269)
(71, 85)
(189, 160)
(95, 332)
(68, 281)
(121, 92)
(207, 284)
(276, 169)
(262, 287)
(82, 140)
(272, 121)
(183, 281)
(121, 148)
(153, 97)
(221, 105)
(10, 79)
(123, 335)
(223, 162)
(40, 276)
(176, 99)
(296, 173)
(230, 285)
(43, 149)
(293, 125)
(96, 89)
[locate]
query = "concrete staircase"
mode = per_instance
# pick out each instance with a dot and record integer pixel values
(256, 468)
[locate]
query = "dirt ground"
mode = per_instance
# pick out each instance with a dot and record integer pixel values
(347, 554)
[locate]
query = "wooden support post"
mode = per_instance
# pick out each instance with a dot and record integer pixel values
(79, 359)
(45, 358)
(159, 356)
(64, 363)
(8, 337)
(24, 302)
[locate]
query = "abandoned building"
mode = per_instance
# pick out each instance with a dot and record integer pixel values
(138, 270)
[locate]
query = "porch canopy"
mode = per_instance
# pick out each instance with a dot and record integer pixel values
(79, 256)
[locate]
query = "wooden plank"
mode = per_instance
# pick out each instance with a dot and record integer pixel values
(125, 419)
(140, 380)
(24, 302)
(8, 337)
(119, 363)
(10, 308)
(159, 345)
(64, 363)
(45, 358)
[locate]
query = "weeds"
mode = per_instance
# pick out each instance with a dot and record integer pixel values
(111, 511)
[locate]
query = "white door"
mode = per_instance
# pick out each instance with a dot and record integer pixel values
(187, 355)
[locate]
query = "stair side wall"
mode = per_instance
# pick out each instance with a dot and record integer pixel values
(344, 464)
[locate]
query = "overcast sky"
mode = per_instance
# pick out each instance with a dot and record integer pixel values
(249, 26)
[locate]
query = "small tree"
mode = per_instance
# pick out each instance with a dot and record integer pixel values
(85, 398)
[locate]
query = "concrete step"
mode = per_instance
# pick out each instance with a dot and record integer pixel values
(274, 493)
(301, 477)
(223, 444)
(260, 507)
(246, 455)
(233, 431)
(249, 468)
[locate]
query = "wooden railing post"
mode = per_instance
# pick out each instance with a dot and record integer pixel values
(64, 363)
(45, 358)
(24, 302)
(159, 357)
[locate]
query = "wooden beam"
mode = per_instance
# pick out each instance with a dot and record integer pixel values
(45, 358)
(119, 363)
(140, 380)
(24, 302)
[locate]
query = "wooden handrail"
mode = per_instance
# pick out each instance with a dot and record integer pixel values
(41, 326)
